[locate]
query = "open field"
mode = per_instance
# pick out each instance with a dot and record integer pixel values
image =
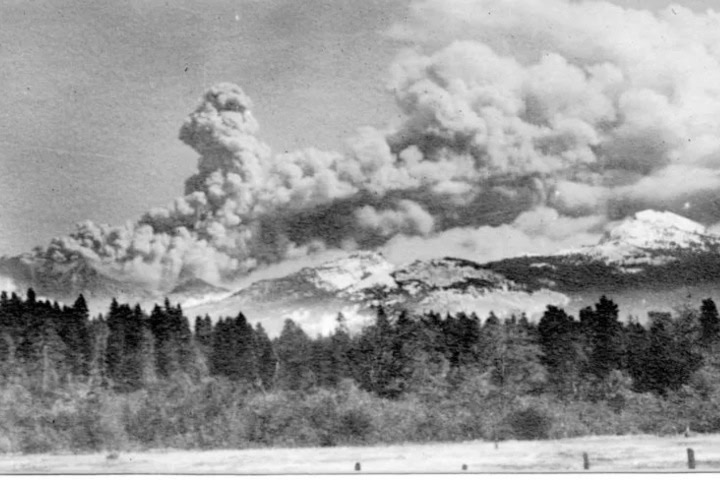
(631, 453)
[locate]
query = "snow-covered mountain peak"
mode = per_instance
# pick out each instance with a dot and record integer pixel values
(652, 229)
(640, 238)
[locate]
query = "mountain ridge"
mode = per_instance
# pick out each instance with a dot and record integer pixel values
(648, 253)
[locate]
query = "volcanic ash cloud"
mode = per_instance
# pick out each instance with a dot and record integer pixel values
(527, 127)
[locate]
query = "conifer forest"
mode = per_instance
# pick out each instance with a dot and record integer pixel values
(131, 379)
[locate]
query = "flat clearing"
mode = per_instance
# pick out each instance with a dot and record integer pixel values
(628, 454)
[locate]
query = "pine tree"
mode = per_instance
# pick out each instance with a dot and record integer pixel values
(670, 357)
(518, 368)
(559, 337)
(710, 323)
(174, 349)
(381, 366)
(637, 348)
(99, 333)
(293, 352)
(30, 298)
(490, 342)
(115, 345)
(421, 362)
(234, 352)
(462, 337)
(43, 353)
(160, 327)
(405, 350)
(74, 331)
(341, 350)
(186, 347)
(132, 369)
(147, 367)
(220, 355)
(607, 345)
(321, 361)
(266, 359)
(203, 332)
(658, 359)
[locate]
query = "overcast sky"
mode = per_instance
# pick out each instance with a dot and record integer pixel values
(94, 93)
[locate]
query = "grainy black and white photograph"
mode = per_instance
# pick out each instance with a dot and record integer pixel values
(359, 237)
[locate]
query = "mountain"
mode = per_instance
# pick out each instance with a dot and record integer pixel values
(357, 284)
(651, 237)
(653, 260)
(649, 249)
(312, 296)
(65, 281)
(650, 261)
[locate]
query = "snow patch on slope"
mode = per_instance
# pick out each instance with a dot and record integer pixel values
(357, 271)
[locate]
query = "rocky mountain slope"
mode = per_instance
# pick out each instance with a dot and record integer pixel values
(357, 284)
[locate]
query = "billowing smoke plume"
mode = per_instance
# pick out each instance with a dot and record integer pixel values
(527, 126)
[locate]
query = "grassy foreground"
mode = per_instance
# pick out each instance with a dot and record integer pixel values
(626, 453)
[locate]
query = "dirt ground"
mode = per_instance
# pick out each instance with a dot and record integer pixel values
(628, 454)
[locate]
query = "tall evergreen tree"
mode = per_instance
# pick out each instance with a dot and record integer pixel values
(382, 366)
(321, 361)
(43, 352)
(30, 298)
(518, 368)
(405, 349)
(463, 339)
(709, 323)
(266, 359)
(637, 350)
(174, 349)
(203, 331)
(147, 358)
(606, 339)
(669, 359)
(293, 349)
(234, 354)
(132, 370)
(490, 342)
(99, 334)
(115, 345)
(341, 348)
(560, 341)
(74, 330)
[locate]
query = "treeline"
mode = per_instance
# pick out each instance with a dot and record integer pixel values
(133, 379)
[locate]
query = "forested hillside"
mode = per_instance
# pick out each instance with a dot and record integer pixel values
(132, 379)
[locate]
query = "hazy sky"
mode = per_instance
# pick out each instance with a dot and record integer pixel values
(94, 93)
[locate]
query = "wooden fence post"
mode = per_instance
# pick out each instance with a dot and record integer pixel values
(586, 461)
(691, 458)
